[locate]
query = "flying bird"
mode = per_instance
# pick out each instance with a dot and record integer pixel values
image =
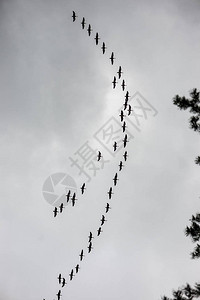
(129, 110)
(122, 116)
(63, 282)
(114, 82)
(104, 47)
(90, 237)
(77, 268)
(123, 85)
(68, 196)
(125, 104)
(97, 38)
(103, 220)
(71, 274)
(115, 179)
(107, 207)
(115, 146)
(112, 58)
(73, 199)
(59, 294)
(83, 188)
(110, 193)
(90, 247)
(119, 72)
(59, 278)
(127, 95)
(125, 140)
(125, 155)
(124, 126)
(81, 255)
(74, 16)
(55, 212)
(99, 231)
(120, 165)
(99, 156)
(61, 207)
(89, 30)
(83, 23)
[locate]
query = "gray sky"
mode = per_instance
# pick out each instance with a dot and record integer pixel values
(55, 93)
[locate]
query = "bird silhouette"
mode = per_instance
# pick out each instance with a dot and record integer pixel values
(59, 294)
(107, 207)
(114, 82)
(61, 207)
(129, 110)
(104, 48)
(122, 116)
(59, 278)
(55, 211)
(77, 268)
(125, 104)
(112, 58)
(115, 146)
(83, 188)
(99, 156)
(125, 155)
(90, 237)
(68, 196)
(124, 126)
(110, 193)
(127, 95)
(74, 16)
(119, 72)
(83, 23)
(103, 220)
(123, 85)
(89, 30)
(71, 275)
(81, 255)
(73, 199)
(120, 165)
(125, 140)
(97, 38)
(99, 231)
(90, 247)
(63, 282)
(115, 179)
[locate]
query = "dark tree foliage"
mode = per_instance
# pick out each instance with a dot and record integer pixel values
(185, 293)
(194, 232)
(193, 104)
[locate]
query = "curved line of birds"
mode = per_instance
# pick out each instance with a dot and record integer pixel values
(69, 196)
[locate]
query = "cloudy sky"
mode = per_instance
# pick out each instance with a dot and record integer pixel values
(56, 94)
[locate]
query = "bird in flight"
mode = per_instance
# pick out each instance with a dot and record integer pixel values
(115, 179)
(55, 211)
(129, 110)
(103, 220)
(73, 199)
(125, 155)
(59, 294)
(61, 207)
(127, 95)
(71, 274)
(99, 231)
(97, 38)
(63, 282)
(90, 247)
(83, 188)
(104, 48)
(99, 156)
(123, 85)
(112, 58)
(125, 140)
(68, 196)
(89, 30)
(114, 82)
(59, 278)
(77, 268)
(107, 207)
(120, 165)
(125, 104)
(83, 23)
(110, 193)
(119, 72)
(90, 237)
(122, 116)
(115, 146)
(74, 16)
(124, 126)
(81, 255)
